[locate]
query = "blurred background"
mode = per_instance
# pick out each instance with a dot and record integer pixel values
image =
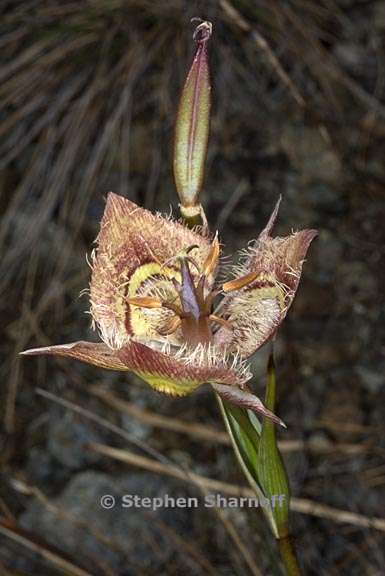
(88, 96)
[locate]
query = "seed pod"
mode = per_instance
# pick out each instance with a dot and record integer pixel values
(192, 127)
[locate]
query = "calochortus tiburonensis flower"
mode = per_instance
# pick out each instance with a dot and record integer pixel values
(155, 298)
(162, 314)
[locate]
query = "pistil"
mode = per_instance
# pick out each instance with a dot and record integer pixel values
(195, 322)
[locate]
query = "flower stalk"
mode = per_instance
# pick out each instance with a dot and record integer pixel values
(288, 556)
(255, 447)
(273, 477)
(270, 469)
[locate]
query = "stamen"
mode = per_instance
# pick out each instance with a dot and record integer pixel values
(239, 283)
(171, 327)
(193, 313)
(210, 299)
(145, 302)
(221, 321)
(212, 258)
(183, 254)
(174, 308)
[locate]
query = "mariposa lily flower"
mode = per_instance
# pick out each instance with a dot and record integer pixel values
(162, 314)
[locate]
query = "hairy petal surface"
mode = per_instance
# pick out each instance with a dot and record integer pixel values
(255, 315)
(281, 259)
(132, 246)
(176, 374)
(180, 373)
(257, 309)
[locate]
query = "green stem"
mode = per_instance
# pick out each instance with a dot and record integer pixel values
(289, 556)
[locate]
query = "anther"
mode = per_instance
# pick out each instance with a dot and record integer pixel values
(171, 326)
(221, 321)
(239, 283)
(212, 258)
(145, 302)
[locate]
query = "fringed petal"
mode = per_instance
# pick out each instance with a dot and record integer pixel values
(267, 278)
(132, 247)
(254, 315)
(182, 372)
(177, 373)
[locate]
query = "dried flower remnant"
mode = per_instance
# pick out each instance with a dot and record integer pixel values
(162, 315)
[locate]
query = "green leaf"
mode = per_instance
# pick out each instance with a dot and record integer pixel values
(255, 446)
(270, 469)
(244, 428)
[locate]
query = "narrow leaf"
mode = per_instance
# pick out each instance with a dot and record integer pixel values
(270, 469)
(243, 429)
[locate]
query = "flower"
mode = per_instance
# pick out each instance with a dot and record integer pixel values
(154, 293)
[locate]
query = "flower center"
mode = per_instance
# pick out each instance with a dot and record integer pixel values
(193, 312)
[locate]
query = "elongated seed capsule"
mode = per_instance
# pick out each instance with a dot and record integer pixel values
(192, 127)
